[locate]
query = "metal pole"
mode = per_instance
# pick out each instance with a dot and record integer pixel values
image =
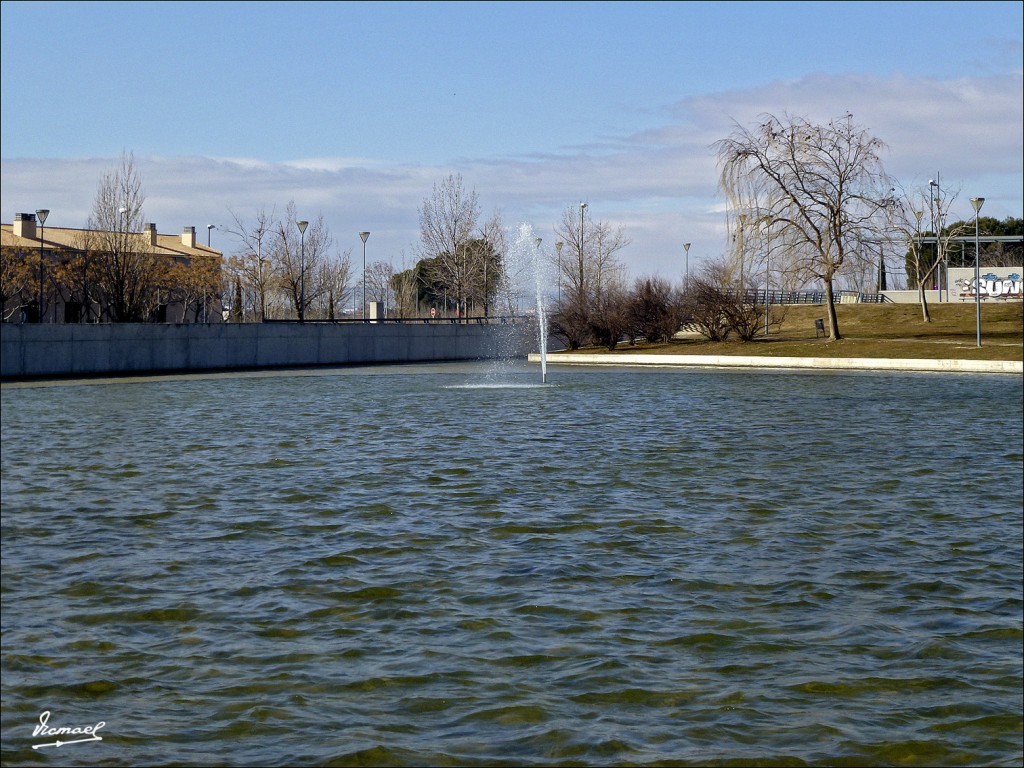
(686, 274)
(206, 317)
(583, 207)
(767, 277)
(42, 213)
(302, 271)
(931, 213)
(363, 236)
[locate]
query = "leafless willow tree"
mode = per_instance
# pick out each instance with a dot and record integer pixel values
(823, 188)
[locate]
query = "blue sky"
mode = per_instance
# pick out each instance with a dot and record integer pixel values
(355, 110)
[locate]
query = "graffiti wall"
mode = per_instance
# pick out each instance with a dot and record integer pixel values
(996, 283)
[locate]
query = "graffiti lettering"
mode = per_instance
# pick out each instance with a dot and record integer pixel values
(992, 286)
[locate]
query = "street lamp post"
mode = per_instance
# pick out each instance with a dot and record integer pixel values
(977, 202)
(933, 184)
(42, 213)
(363, 236)
(302, 271)
(743, 219)
(209, 229)
(767, 279)
(583, 207)
(686, 273)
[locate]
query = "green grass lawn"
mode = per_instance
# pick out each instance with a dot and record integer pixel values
(873, 330)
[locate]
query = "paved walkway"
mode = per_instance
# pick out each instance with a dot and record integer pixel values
(737, 361)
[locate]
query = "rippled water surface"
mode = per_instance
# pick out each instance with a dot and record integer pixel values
(436, 565)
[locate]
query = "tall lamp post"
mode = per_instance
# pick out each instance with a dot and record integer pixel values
(686, 273)
(42, 213)
(363, 236)
(302, 271)
(209, 229)
(977, 202)
(937, 198)
(583, 207)
(767, 276)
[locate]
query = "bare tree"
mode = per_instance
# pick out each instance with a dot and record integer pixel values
(708, 298)
(655, 309)
(447, 221)
(252, 266)
(128, 272)
(588, 272)
(487, 263)
(823, 187)
(297, 259)
(576, 272)
(194, 283)
(405, 286)
(379, 283)
(76, 277)
(17, 278)
(334, 277)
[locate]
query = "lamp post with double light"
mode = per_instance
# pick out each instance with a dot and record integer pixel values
(936, 226)
(977, 202)
(302, 270)
(41, 214)
(686, 272)
(583, 207)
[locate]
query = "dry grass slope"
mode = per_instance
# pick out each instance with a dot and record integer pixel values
(895, 331)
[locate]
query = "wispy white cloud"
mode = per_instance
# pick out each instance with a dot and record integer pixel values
(660, 184)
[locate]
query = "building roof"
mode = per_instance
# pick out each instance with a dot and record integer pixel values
(65, 238)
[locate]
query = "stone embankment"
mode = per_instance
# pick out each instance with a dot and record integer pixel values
(819, 363)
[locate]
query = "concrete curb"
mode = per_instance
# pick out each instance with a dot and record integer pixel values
(827, 363)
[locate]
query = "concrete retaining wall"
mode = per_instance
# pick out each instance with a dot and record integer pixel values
(84, 350)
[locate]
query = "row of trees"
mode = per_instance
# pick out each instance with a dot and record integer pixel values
(809, 204)
(653, 309)
(282, 272)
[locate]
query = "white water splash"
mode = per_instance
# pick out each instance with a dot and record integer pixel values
(529, 269)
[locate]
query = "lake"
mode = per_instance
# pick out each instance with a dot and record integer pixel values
(454, 565)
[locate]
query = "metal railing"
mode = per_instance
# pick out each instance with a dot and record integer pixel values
(753, 296)
(489, 320)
